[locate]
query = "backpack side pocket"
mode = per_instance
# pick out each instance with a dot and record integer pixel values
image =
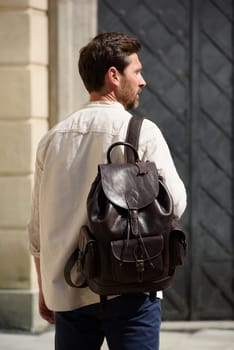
(86, 263)
(178, 247)
(81, 265)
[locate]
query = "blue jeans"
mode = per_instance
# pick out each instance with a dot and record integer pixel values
(130, 322)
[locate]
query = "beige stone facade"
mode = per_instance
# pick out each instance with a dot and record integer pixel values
(39, 42)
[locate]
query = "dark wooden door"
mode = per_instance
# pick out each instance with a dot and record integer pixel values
(187, 61)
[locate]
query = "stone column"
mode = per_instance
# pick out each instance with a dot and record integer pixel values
(23, 120)
(72, 24)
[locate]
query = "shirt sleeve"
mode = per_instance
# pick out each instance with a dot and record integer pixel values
(34, 221)
(158, 151)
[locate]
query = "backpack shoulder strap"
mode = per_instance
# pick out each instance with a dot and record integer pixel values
(133, 133)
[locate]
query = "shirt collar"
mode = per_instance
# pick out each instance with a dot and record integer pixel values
(106, 104)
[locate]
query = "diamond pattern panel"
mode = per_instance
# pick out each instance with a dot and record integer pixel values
(194, 111)
(216, 159)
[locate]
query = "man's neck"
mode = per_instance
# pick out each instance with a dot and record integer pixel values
(105, 97)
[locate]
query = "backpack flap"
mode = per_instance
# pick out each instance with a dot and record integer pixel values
(126, 186)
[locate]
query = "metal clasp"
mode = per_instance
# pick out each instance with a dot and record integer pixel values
(140, 269)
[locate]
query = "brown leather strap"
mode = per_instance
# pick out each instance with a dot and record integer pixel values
(133, 133)
(81, 281)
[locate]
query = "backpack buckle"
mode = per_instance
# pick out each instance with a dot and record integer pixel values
(140, 269)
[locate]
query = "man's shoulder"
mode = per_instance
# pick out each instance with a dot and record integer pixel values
(60, 126)
(67, 123)
(52, 134)
(150, 127)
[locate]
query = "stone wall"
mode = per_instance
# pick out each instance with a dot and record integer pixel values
(23, 120)
(40, 42)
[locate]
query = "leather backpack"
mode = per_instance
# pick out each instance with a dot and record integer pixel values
(131, 243)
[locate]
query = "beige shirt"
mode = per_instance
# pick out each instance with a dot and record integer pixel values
(66, 165)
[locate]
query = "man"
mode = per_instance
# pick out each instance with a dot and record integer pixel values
(66, 165)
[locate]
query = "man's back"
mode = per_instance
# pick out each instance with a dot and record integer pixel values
(68, 157)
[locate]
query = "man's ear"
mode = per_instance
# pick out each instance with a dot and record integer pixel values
(113, 75)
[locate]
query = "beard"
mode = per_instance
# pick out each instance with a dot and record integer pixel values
(133, 103)
(128, 96)
(130, 100)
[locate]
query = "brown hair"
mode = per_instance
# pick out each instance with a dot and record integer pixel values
(104, 51)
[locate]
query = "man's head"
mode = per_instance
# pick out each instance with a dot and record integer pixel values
(110, 60)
